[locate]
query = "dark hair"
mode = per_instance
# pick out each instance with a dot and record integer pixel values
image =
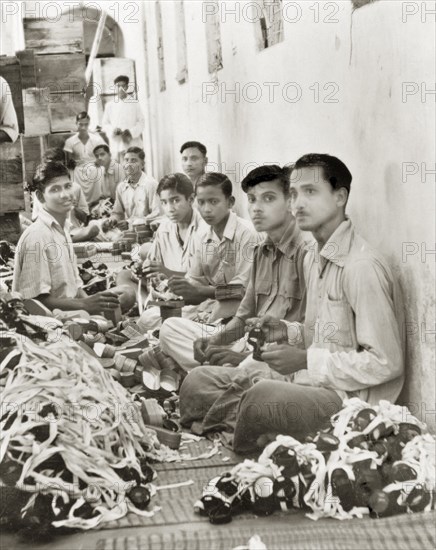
(334, 170)
(54, 154)
(268, 172)
(137, 151)
(122, 78)
(176, 182)
(216, 179)
(101, 146)
(83, 115)
(46, 172)
(196, 144)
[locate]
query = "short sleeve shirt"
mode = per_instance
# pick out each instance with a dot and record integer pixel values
(45, 262)
(227, 260)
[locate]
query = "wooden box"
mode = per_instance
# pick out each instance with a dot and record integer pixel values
(11, 72)
(61, 72)
(62, 111)
(35, 105)
(33, 149)
(11, 177)
(47, 35)
(27, 63)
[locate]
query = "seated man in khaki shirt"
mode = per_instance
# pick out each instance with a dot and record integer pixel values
(352, 339)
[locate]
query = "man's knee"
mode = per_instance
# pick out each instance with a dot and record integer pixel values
(193, 380)
(170, 327)
(254, 402)
(193, 392)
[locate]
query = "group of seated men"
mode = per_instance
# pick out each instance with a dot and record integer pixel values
(328, 307)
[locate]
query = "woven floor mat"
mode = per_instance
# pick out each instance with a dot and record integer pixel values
(197, 448)
(405, 532)
(177, 504)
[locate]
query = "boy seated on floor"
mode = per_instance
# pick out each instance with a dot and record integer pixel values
(173, 247)
(352, 339)
(275, 281)
(223, 253)
(45, 264)
(135, 197)
(78, 216)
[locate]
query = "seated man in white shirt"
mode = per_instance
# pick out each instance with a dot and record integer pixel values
(173, 248)
(45, 263)
(123, 121)
(79, 148)
(78, 216)
(135, 197)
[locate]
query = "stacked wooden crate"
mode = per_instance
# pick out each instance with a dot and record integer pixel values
(59, 66)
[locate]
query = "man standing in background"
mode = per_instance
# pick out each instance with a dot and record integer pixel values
(123, 121)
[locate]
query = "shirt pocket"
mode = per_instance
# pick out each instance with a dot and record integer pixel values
(337, 326)
(262, 287)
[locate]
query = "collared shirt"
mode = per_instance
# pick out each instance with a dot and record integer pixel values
(168, 250)
(137, 200)
(8, 116)
(78, 200)
(45, 262)
(124, 114)
(111, 178)
(353, 319)
(276, 285)
(227, 260)
(86, 173)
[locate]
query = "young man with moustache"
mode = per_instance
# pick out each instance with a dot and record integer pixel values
(352, 338)
(223, 255)
(194, 161)
(135, 197)
(111, 171)
(210, 394)
(45, 264)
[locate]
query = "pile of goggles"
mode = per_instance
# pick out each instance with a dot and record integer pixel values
(377, 461)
